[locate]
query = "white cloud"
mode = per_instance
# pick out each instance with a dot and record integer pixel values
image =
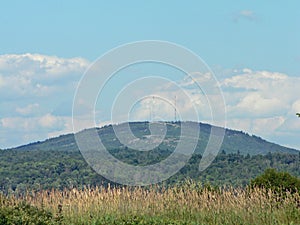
(32, 124)
(36, 93)
(245, 14)
(29, 109)
(33, 64)
(296, 106)
(255, 104)
(260, 93)
(36, 75)
(22, 130)
(33, 89)
(197, 78)
(193, 98)
(49, 121)
(256, 80)
(263, 103)
(29, 80)
(267, 125)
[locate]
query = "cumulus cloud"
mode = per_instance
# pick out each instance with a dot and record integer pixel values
(36, 75)
(32, 124)
(255, 104)
(22, 130)
(296, 106)
(33, 64)
(36, 93)
(263, 103)
(32, 88)
(30, 78)
(29, 109)
(261, 92)
(194, 98)
(259, 102)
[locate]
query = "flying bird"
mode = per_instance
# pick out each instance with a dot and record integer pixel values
(298, 114)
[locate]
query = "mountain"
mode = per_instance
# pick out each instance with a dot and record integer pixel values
(58, 163)
(234, 141)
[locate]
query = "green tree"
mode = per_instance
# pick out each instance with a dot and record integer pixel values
(277, 181)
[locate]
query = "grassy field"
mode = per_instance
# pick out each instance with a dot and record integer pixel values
(186, 204)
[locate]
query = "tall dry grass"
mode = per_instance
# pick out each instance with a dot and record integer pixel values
(186, 204)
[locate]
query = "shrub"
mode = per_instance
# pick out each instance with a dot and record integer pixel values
(23, 214)
(277, 181)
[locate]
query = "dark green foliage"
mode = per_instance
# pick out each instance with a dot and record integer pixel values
(57, 162)
(234, 141)
(277, 181)
(43, 169)
(23, 214)
(237, 170)
(21, 170)
(141, 220)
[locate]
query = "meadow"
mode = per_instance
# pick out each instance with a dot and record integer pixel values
(189, 203)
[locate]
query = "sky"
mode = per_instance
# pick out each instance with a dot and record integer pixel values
(252, 47)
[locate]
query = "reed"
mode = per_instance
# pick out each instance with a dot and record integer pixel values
(185, 204)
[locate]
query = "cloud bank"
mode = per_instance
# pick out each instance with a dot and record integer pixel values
(33, 88)
(264, 103)
(36, 94)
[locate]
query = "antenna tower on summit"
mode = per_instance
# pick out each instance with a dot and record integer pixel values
(153, 113)
(175, 109)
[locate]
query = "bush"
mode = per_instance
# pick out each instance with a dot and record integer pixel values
(23, 214)
(277, 181)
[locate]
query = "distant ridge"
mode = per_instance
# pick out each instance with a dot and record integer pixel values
(234, 141)
(58, 163)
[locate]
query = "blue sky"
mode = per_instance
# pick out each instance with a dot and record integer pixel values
(221, 32)
(252, 46)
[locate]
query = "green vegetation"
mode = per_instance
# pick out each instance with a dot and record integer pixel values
(57, 162)
(21, 170)
(189, 203)
(279, 182)
(15, 211)
(234, 141)
(50, 183)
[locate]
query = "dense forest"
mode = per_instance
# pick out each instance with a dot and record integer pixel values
(60, 169)
(58, 163)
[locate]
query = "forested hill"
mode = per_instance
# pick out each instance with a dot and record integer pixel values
(57, 162)
(234, 141)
